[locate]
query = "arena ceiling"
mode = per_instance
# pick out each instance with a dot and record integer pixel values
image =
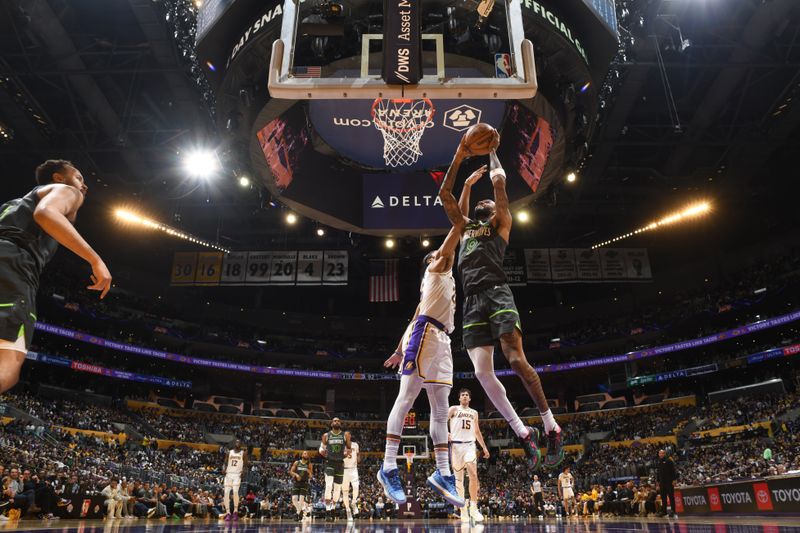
(705, 106)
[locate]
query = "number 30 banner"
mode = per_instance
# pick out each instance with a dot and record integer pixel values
(260, 268)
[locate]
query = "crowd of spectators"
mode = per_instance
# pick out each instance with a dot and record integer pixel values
(180, 481)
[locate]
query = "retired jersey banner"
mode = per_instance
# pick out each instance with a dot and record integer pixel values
(537, 262)
(305, 268)
(514, 267)
(584, 265)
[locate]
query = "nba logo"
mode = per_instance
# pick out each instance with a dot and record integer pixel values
(85, 507)
(502, 65)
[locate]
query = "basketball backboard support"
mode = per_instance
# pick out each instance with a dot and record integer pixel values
(324, 56)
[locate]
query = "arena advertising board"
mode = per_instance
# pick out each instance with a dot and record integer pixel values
(329, 267)
(347, 126)
(291, 372)
(767, 496)
(402, 201)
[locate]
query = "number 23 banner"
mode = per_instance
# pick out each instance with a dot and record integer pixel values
(260, 268)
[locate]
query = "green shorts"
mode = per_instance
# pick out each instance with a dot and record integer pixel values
(488, 315)
(335, 469)
(300, 490)
(17, 293)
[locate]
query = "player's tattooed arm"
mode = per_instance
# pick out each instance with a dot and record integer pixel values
(463, 200)
(446, 191)
(293, 471)
(502, 215)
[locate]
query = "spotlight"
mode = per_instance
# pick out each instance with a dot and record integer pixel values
(244, 181)
(320, 232)
(211, 66)
(389, 243)
(291, 219)
(201, 163)
(586, 87)
(571, 177)
(523, 216)
(425, 243)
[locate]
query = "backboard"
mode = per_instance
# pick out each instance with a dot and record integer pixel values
(465, 49)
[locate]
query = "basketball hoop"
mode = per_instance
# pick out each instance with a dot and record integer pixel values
(402, 122)
(409, 460)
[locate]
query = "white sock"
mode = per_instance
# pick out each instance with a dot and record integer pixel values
(549, 421)
(473, 504)
(390, 455)
(443, 461)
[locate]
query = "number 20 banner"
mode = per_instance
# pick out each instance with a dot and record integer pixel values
(260, 268)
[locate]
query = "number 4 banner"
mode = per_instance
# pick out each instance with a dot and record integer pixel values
(309, 268)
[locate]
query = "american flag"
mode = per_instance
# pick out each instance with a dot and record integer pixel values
(307, 72)
(383, 285)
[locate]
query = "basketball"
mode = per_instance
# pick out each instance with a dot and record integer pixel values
(481, 139)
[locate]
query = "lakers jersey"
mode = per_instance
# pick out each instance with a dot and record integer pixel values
(462, 424)
(235, 462)
(438, 298)
(352, 461)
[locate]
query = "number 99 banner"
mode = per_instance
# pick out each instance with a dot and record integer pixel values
(260, 268)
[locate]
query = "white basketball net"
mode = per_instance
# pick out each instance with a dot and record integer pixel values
(402, 123)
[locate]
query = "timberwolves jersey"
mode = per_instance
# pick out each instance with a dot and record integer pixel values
(336, 446)
(462, 424)
(18, 226)
(480, 257)
(438, 298)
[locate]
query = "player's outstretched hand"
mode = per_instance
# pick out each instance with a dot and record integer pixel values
(101, 278)
(394, 360)
(462, 147)
(475, 176)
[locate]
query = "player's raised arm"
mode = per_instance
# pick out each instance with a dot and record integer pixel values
(446, 191)
(463, 200)
(502, 214)
(446, 254)
(57, 206)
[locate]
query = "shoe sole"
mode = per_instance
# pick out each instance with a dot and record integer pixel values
(549, 464)
(386, 491)
(445, 494)
(534, 457)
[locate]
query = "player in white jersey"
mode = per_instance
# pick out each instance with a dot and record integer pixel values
(426, 362)
(234, 465)
(464, 431)
(566, 491)
(351, 479)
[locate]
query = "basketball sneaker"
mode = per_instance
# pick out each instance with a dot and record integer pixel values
(392, 485)
(446, 486)
(529, 444)
(555, 453)
(475, 514)
(464, 515)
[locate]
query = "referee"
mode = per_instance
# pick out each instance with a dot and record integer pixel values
(538, 496)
